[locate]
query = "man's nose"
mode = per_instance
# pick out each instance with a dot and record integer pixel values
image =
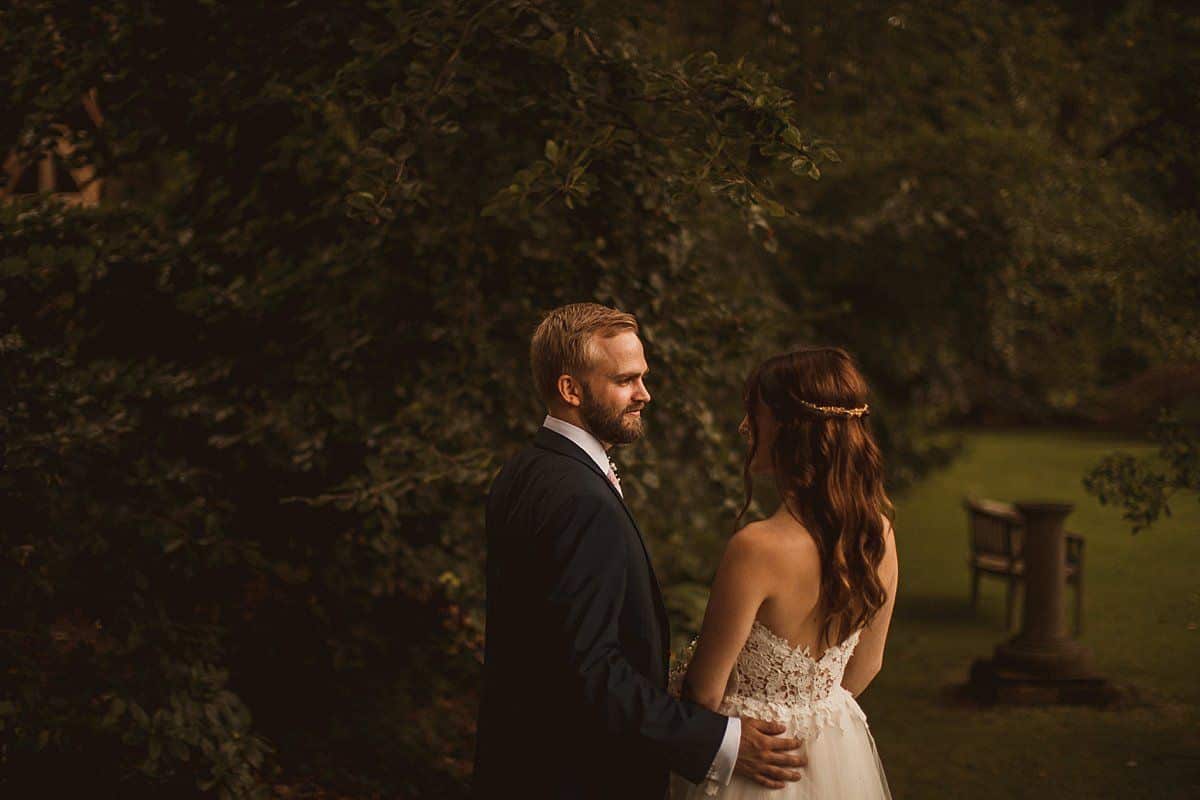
(643, 392)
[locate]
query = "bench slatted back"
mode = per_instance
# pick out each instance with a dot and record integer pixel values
(996, 527)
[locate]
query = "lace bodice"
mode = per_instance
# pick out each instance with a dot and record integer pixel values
(770, 669)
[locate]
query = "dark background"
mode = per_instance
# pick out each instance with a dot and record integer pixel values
(264, 335)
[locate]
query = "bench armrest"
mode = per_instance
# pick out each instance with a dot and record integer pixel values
(1075, 543)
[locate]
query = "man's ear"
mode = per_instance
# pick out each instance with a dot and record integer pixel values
(570, 391)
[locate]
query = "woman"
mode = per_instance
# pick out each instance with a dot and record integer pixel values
(801, 603)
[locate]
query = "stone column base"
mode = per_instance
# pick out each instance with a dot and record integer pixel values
(993, 683)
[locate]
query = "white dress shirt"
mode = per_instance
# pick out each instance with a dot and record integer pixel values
(721, 769)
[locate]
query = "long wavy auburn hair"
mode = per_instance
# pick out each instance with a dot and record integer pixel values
(829, 474)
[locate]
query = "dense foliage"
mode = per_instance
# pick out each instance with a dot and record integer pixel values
(252, 410)
(252, 402)
(1013, 233)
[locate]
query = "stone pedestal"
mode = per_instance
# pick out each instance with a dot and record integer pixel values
(1042, 664)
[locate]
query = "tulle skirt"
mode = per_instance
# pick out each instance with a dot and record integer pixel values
(843, 763)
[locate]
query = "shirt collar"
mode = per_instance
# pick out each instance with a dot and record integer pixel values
(586, 441)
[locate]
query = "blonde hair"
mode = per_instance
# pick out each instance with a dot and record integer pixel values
(561, 345)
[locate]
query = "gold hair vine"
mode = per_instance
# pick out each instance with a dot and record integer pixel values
(838, 410)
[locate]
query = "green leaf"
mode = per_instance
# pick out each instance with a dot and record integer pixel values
(773, 207)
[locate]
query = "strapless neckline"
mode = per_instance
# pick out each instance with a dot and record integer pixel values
(804, 651)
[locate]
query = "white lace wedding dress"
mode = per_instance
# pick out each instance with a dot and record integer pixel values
(773, 681)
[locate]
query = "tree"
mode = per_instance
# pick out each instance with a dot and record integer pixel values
(1144, 487)
(1011, 233)
(251, 410)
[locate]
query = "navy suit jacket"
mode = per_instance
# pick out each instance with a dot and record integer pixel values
(574, 701)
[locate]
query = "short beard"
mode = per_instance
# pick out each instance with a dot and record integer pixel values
(606, 425)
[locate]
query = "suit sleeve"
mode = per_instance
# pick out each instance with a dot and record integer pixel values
(587, 559)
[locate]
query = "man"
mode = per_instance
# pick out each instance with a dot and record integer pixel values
(576, 654)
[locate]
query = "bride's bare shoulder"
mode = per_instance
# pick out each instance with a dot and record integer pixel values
(780, 541)
(753, 544)
(748, 541)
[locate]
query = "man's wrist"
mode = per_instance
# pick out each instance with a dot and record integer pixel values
(721, 769)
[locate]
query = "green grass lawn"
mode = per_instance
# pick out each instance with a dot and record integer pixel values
(1141, 593)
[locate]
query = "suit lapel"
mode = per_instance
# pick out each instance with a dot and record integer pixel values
(550, 440)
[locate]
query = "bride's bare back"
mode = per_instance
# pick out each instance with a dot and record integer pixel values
(790, 608)
(770, 573)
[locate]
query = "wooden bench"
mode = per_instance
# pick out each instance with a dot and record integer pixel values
(996, 533)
